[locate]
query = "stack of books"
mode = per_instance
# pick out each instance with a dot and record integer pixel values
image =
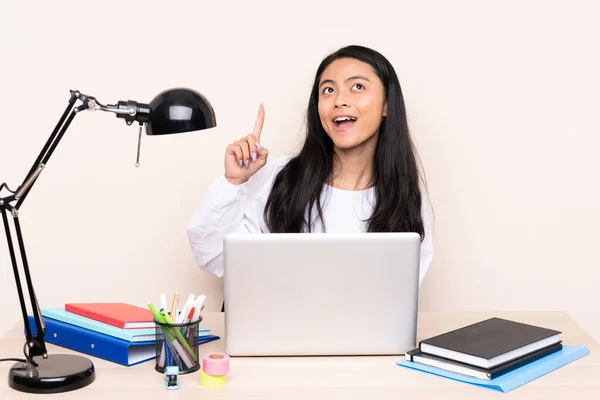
(496, 353)
(118, 332)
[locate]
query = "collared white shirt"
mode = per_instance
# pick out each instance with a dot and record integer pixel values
(228, 208)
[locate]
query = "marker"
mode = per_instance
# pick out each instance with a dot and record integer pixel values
(190, 338)
(186, 309)
(198, 305)
(157, 315)
(163, 301)
(190, 315)
(186, 329)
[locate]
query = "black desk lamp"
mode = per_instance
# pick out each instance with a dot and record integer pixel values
(172, 111)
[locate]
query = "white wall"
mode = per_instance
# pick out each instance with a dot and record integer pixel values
(502, 99)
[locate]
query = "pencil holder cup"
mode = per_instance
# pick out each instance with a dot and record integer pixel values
(177, 345)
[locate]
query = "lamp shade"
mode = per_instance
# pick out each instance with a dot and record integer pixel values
(179, 110)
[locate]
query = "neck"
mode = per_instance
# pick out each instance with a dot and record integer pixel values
(353, 168)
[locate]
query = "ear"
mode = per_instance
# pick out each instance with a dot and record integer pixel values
(384, 110)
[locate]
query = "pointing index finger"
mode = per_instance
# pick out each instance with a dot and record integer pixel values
(258, 125)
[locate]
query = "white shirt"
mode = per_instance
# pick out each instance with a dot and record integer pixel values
(228, 208)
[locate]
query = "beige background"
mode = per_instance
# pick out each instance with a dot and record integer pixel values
(502, 99)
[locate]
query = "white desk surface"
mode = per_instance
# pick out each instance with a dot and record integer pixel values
(329, 377)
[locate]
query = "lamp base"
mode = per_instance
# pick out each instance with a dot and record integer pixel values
(56, 374)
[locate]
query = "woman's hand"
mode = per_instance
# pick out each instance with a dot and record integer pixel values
(245, 157)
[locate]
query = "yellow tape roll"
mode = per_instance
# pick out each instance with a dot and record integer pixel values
(211, 381)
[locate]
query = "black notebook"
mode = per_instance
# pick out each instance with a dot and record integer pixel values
(482, 373)
(490, 343)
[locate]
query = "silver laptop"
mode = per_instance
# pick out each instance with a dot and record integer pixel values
(321, 293)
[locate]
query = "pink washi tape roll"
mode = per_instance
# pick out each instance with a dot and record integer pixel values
(215, 364)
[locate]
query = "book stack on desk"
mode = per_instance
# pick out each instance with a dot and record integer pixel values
(487, 349)
(117, 332)
(495, 353)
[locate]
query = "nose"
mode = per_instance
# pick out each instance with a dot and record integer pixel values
(340, 102)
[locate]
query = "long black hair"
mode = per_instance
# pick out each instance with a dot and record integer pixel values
(296, 190)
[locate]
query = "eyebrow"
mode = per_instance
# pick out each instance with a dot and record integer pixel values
(352, 78)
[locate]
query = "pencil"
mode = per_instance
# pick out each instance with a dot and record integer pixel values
(174, 304)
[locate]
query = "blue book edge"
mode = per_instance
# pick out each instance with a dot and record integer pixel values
(511, 380)
(90, 333)
(48, 320)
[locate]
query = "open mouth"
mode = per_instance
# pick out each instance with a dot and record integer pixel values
(344, 122)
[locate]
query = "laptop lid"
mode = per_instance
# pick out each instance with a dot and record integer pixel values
(321, 293)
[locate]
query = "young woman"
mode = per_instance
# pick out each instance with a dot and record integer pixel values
(356, 172)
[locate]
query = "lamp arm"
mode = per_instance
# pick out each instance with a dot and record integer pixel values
(130, 111)
(34, 342)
